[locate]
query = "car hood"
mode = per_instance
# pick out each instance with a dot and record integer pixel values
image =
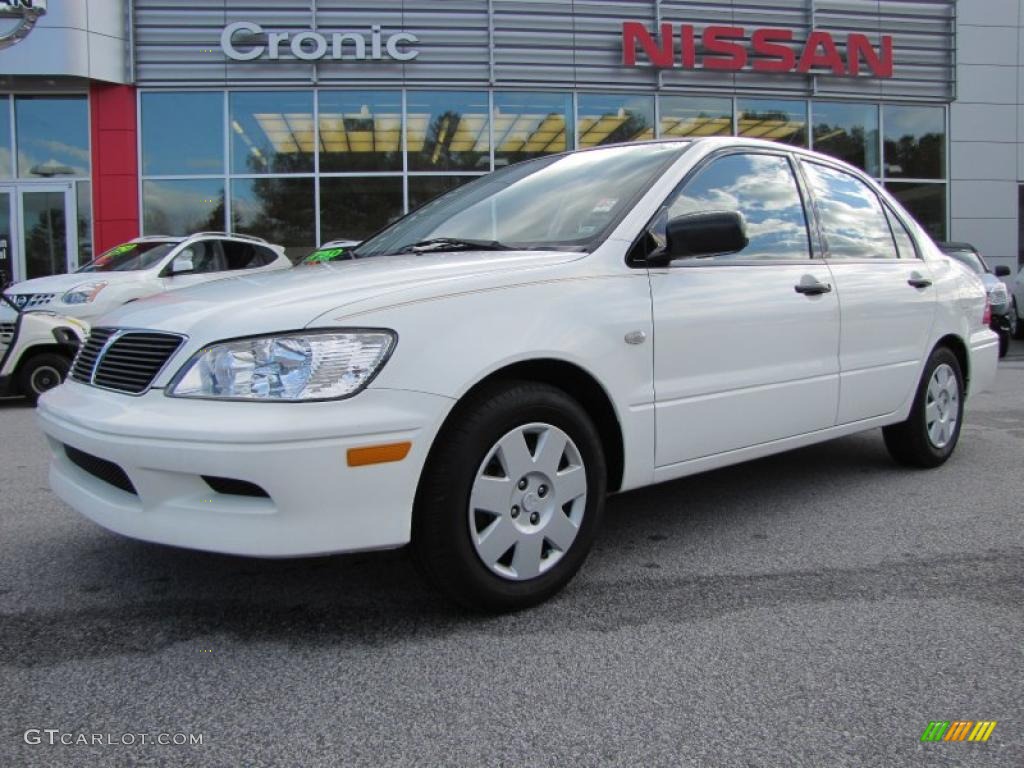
(62, 283)
(289, 299)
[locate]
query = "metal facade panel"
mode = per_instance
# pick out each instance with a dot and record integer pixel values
(547, 43)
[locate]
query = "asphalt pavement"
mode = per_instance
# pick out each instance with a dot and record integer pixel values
(817, 608)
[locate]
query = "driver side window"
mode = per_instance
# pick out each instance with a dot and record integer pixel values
(198, 258)
(763, 189)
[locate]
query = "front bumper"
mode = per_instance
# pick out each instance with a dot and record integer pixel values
(296, 452)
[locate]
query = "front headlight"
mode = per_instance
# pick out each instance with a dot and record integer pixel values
(304, 365)
(84, 293)
(998, 294)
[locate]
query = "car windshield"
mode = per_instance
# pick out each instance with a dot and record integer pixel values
(563, 202)
(968, 258)
(130, 256)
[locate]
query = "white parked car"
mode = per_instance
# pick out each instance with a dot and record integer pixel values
(36, 349)
(146, 266)
(486, 369)
(1017, 304)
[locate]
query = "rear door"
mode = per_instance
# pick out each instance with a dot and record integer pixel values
(745, 344)
(884, 289)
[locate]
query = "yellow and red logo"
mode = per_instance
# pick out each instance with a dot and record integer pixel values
(958, 730)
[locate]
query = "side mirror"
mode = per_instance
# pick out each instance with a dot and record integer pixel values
(1002, 271)
(705, 234)
(182, 264)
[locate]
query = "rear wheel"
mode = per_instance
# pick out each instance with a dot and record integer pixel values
(930, 434)
(510, 499)
(42, 372)
(1004, 343)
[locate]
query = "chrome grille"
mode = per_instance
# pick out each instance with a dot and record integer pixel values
(126, 361)
(31, 300)
(6, 334)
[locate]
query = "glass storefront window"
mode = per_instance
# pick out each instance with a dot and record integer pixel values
(6, 158)
(182, 206)
(779, 120)
(355, 208)
(423, 189)
(52, 135)
(182, 133)
(447, 131)
(695, 116)
(915, 142)
(272, 132)
(280, 210)
(925, 202)
(528, 125)
(606, 118)
(848, 132)
(83, 195)
(360, 131)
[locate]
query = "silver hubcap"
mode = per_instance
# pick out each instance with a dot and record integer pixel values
(942, 406)
(527, 501)
(44, 378)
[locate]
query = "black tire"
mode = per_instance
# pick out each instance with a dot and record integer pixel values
(441, 543)
(1016, 324)
(1004, 344)
(909, 442)
(41, 372)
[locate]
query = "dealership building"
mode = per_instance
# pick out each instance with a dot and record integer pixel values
(307, 120)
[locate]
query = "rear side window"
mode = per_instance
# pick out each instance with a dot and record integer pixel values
(247, 255)
(854, 222)
(763, 189)
(904, 241)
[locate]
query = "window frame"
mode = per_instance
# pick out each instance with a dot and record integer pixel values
(882, 202)
(815, 253)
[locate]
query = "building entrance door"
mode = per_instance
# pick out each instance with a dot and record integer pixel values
(46, 231)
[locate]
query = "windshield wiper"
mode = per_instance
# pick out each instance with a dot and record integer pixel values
(454, 244)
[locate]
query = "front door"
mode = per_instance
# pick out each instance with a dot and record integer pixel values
(48, 233)
(746, 345)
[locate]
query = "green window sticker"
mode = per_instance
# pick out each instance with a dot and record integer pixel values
(119, 249)
(327, 254)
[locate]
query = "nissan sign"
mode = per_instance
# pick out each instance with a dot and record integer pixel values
(27, 12)
(725, 48)
(246, 41)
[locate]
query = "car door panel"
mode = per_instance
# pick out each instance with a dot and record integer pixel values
(729, 376)
(886, 327)
(741, 357)
(884, 290)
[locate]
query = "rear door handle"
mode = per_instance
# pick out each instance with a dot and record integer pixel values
(812, 288)
(919, 282)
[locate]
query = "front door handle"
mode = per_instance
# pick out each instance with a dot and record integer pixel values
(812, 287)
(919, 282)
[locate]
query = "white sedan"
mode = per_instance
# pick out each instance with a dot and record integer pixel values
(485, 370)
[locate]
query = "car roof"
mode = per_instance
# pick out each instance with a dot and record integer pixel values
(957, 247)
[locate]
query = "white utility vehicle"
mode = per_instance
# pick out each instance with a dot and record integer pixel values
(485, 370)
(146, 266)
(36, 349)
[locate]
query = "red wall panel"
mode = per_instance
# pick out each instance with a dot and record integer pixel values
(115, 165)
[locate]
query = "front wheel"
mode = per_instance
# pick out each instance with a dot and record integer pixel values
(930, 434)
(511, 498)
(42, 372)
(1004, 343)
